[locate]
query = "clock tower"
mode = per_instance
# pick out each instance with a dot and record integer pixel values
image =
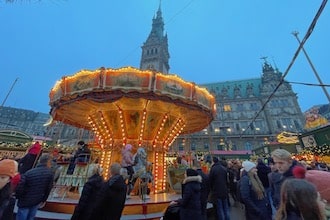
(155, 54)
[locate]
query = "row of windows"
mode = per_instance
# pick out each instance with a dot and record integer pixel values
(152, 51)
(240, 107)
(253, 106)
(222, 146)
(259, 126)
(279, 103)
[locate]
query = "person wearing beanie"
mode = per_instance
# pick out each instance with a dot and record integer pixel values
(248, 165)
(8, 169)
(320, 179)
(33, 189)
(253, 194)
(190, 203)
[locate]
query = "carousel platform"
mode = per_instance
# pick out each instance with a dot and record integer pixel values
(135, 207)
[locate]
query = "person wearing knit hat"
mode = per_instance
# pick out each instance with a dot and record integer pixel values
(319, 178)
(8, 169)
(248, 165)
(253, 194)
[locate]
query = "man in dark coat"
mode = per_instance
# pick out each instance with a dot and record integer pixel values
(219, 190)
(83, 210)
(205, 190)
(33, 189)
(112, 196)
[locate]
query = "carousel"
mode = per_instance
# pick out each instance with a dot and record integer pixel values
(143, 108)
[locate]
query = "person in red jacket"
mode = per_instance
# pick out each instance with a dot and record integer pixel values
(27, 162)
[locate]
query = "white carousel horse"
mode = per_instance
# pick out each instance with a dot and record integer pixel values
(141, 172)
(140, 162)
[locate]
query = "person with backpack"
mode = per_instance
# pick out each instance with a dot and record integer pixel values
(253, 194)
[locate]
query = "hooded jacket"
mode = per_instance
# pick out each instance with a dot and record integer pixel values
(190, 203)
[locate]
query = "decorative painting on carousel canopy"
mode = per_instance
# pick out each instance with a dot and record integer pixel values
(202, 97)
(173, 85)
(82, 82)
(127, 78)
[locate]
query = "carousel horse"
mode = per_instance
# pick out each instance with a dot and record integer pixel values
(142, 172)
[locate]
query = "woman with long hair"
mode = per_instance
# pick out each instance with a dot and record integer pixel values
(253, 194)
(300, 201)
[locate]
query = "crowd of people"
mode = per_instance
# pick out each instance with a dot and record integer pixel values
(274, 188)
(28, 183)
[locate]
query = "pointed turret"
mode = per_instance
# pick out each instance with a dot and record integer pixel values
(155, 55)
(269, 73)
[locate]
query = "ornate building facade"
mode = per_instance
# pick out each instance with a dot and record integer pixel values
(243, 120)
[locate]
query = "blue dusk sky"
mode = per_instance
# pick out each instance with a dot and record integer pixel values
(209, 41)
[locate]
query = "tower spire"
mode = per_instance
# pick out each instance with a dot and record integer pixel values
(160, 5)
(155, 54)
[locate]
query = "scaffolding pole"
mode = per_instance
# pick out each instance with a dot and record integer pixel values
(295, 33)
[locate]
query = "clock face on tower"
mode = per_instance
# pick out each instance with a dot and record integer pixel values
(151, 66)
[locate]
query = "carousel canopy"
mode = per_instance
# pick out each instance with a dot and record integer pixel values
(129, 105)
